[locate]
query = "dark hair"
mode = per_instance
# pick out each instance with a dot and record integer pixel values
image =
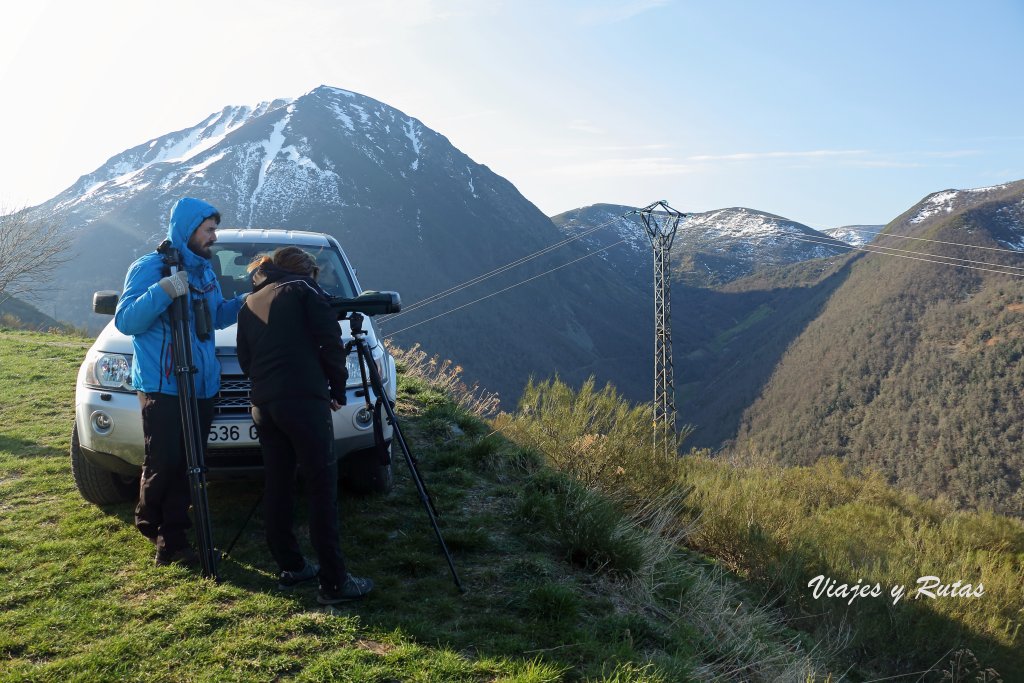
(215, 216)
(292, 259)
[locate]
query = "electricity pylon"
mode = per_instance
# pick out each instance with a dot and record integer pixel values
(661, 221)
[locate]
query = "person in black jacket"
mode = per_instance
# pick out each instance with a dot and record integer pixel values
(289, 345)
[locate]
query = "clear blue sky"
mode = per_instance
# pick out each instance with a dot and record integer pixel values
(828, 113)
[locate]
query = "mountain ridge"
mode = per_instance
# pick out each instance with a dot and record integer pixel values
(913, 368)
(711, 248)
(413, 213)
(417, 215)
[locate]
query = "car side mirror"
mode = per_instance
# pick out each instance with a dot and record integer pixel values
(105, 302)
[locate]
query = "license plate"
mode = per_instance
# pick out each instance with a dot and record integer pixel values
(234, 433)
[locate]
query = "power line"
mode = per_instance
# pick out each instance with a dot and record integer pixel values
(921, 253)
(955, 244)
(497, 271)
(876, 250)
(523, 282)
(810, 239)
(872, 247)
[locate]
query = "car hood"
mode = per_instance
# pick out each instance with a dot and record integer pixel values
(111, 340)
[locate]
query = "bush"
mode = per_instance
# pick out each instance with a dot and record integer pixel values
(588, 527)
(596, 438)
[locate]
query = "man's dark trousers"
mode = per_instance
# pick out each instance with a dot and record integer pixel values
(164, 492)
(300, 433)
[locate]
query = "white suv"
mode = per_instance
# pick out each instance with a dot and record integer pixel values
(107, 448)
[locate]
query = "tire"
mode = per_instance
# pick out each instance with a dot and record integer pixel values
(359, 473)
(96, 484)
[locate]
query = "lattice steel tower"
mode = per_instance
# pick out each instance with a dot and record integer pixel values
(661, 222)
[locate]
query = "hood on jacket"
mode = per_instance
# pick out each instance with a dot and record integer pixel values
(187, 215)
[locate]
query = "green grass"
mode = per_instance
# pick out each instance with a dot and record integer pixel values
(777, 528)
(723, 338)
(784, 526)
(560, 586)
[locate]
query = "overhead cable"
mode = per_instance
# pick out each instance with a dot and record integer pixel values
(810, 239)
(523, 282)
(955, 244)
(919, 253)
(497, 271)
(878, 250)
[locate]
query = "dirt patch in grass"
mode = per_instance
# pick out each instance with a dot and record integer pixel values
(374, 646)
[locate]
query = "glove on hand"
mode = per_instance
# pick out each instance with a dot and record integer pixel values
(175, 285)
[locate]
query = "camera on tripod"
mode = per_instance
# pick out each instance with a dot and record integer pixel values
(353, 310)
(367, 303)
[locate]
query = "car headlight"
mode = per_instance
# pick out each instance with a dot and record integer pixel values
(109, 371)
(355, 379)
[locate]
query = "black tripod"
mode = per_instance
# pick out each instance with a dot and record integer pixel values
(190, 425)
(368, 367)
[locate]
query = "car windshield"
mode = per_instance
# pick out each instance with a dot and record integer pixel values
(231, 260)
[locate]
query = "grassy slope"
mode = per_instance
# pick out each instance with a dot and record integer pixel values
(19, 314)
(780, 527)
(81, 600)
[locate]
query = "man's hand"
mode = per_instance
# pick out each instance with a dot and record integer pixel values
(335, 406)
(175, 285)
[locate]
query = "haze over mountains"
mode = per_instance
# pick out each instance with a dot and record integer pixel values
(787, 340)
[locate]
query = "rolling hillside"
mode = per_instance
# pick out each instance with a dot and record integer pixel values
(914, 368)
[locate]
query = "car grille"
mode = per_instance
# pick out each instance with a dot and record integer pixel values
(233, 397)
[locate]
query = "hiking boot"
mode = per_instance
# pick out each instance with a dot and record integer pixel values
(290, 579)
(353, 588)
(183, 557)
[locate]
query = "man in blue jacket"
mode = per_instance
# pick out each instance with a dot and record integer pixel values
(143, 313)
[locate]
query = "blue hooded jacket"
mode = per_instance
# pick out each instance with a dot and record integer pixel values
(143, 309)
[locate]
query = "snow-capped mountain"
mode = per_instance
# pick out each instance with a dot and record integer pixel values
(328, 149)
(710, 248)
(125, 173)
(1003, 202)
(941, 204)
(413, 213)
(855, 235)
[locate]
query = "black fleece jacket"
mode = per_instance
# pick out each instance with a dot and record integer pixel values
(289, 342)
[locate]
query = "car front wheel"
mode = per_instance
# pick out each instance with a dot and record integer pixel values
(96, 484)
(363, 472)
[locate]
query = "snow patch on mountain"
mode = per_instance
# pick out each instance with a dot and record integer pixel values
(200, 168)
(292, 154)
(207, 134)
(947, 201)
(121, 173)
(1011, 218)
(413, 134)
(940, 202)
(855, 235)
(363, 116)
(271, 147)
(738, 223)
(345, 119)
